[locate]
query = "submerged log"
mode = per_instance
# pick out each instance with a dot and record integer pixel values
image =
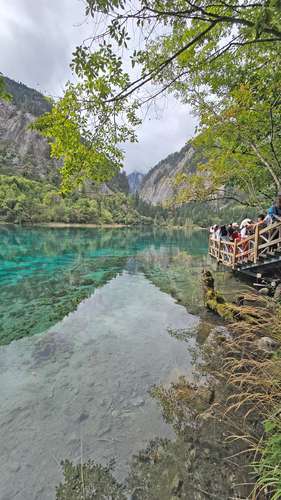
(214, 300)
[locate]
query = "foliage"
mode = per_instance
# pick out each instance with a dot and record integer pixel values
(3, 91)
(26, 201)
(82, 128)
(89, 481)
(252, 374)
(241, 143)
(222, 58)
(203, 214)
(268, 468)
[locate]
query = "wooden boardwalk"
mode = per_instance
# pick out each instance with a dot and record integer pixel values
(261, 249)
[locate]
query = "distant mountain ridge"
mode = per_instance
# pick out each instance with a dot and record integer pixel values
(158, 184)
(135, 181)
(26, 99)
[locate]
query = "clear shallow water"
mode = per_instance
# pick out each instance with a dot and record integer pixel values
(101, 303)
(45, 273)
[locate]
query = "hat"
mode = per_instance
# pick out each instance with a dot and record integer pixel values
(245, 222)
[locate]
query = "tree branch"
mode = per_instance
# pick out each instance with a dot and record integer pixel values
(266, 164)
(133, 86)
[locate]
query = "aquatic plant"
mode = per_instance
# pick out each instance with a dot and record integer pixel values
(89, 481)
(250, 366)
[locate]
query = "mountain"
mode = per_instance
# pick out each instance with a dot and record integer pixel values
(29, 178)
(22, 150)
(135, 180)
(27, 99)
(158, 184)
(25, 152)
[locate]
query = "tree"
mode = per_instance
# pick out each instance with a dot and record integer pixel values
(202, 51)
(241, 144)
(4, 95)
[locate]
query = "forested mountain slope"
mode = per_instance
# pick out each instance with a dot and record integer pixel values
(29, 178)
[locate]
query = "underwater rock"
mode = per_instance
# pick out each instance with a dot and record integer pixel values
(138, 402)
(267, 344)
(215, 337)
(84, 416)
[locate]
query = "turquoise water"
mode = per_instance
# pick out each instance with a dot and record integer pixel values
(86, 320)
(46, 273)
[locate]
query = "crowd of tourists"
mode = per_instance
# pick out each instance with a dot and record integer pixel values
(235, 231)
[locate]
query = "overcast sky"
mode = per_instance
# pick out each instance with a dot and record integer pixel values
(37, 38)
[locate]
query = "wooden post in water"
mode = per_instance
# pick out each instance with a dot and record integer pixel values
(256, 244)
(234, 253)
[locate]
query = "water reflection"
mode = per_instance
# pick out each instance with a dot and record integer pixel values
(88, 379)
(46, 273)
(106, 300)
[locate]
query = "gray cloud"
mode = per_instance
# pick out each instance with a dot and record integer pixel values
(37, 38)
(163, 132)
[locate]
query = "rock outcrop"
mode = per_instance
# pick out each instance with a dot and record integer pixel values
(158, 184)
(26, 153)
(135, 181)
(22, 150)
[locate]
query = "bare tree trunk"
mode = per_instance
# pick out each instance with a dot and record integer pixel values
(267, 165)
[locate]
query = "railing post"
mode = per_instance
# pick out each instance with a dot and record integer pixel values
(256, 244)
(234, 253)
(219, 249)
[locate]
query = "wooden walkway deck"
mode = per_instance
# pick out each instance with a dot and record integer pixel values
(261, 249)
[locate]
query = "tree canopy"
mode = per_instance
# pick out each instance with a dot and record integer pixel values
(222, 57)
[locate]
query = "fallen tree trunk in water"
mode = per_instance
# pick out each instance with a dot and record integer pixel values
(214, 300)
(230, 311)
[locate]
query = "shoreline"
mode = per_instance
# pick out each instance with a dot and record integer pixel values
(75, 224)
(101, 226)
(64, 225)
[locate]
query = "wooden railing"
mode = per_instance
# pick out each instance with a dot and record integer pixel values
(260, 245)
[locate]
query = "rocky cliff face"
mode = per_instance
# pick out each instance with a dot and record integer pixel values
(158, 184)
(23, 151)
(135, 181)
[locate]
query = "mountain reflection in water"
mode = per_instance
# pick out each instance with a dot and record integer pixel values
(102, 303)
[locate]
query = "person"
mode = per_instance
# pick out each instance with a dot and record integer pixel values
(244, 230)
(223, 233)
(217, 232)
(246, 227)
(245, 222)
(213, 231)
(230, 231)
(236, 234)
(262, 221)
(274, 212)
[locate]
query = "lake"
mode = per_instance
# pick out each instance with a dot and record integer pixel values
(86, 321)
